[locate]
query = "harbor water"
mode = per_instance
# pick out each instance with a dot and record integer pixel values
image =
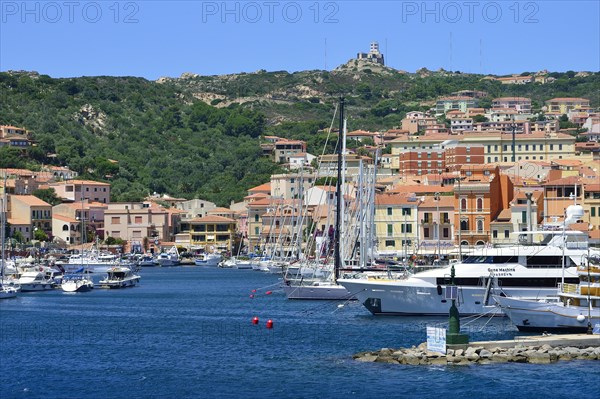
(187, 332)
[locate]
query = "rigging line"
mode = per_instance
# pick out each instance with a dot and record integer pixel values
(268, 286)
(479, 317)
(487, 322)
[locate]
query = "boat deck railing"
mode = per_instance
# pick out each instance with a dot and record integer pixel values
(567, 288)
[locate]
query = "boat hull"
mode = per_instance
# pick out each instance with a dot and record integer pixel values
(77, 286)
(317, 292)
(396, 298)
(131, 282)
(530, 315)
(8, 292)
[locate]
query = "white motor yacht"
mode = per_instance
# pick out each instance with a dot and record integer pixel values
(526, 271)
(119, 277)
(34, 281)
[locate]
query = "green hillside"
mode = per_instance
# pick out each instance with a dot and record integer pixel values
(163, 140)
(199, 136)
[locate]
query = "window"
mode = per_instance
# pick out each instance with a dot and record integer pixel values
(405, 211)
(446, 232)
(593, 211)
(533, 147)
(480, 225)
(560, 147)
(506, 233)
(390, 243)
(115, 220)
(256, 231)
(390, 230)
(138, 220)
(389, 211)
(464, 225)
(426, 232)
(463, 204)
(523, 216)
(479, 204)
(66, 227)
(551, 147)
(256, 218)
(495, 233)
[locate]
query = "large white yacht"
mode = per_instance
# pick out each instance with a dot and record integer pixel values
(526, 271)
(92, 262)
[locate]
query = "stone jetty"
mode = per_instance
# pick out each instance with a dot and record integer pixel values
(538, 350)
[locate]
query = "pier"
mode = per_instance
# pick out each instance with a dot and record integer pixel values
(542, 349)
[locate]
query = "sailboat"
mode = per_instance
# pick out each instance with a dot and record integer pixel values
(327, 288)
(80, 280)
(6, 290)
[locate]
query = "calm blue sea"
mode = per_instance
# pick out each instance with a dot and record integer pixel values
(187, 333)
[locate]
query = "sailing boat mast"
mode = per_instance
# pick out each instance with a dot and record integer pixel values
(3, 231)
(338, 190)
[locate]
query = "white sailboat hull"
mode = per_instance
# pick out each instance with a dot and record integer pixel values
(317, 291)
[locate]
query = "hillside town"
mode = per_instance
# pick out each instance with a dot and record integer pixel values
(458, 174)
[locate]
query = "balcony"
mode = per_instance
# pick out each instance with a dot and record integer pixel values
(472, 233)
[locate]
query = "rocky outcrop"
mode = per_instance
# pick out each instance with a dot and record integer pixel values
(543, 354)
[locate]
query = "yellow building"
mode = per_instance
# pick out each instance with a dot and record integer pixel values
(212, 233)
(562, 105)
(396, 226)
(32, 212)
(591, 205)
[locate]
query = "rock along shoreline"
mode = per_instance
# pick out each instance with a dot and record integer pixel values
(485, 353)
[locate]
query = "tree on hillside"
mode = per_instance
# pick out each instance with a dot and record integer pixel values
(48, 195)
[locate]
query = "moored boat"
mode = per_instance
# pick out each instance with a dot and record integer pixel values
(576, 308)
(76, 283)
(211, 259)
(119, 277)
(34, 281)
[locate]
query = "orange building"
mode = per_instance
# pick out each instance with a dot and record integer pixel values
(479, 196)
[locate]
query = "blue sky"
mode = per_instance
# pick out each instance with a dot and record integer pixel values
(159, 38)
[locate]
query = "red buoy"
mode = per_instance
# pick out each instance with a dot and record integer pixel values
(269, 324)
(253, 290)
(255, 320)
(268, 292)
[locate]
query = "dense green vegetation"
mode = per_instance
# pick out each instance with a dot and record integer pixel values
(146, 137)
(162, 140)
(375, 100)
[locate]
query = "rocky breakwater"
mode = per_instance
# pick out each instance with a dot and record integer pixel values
(539, 354)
